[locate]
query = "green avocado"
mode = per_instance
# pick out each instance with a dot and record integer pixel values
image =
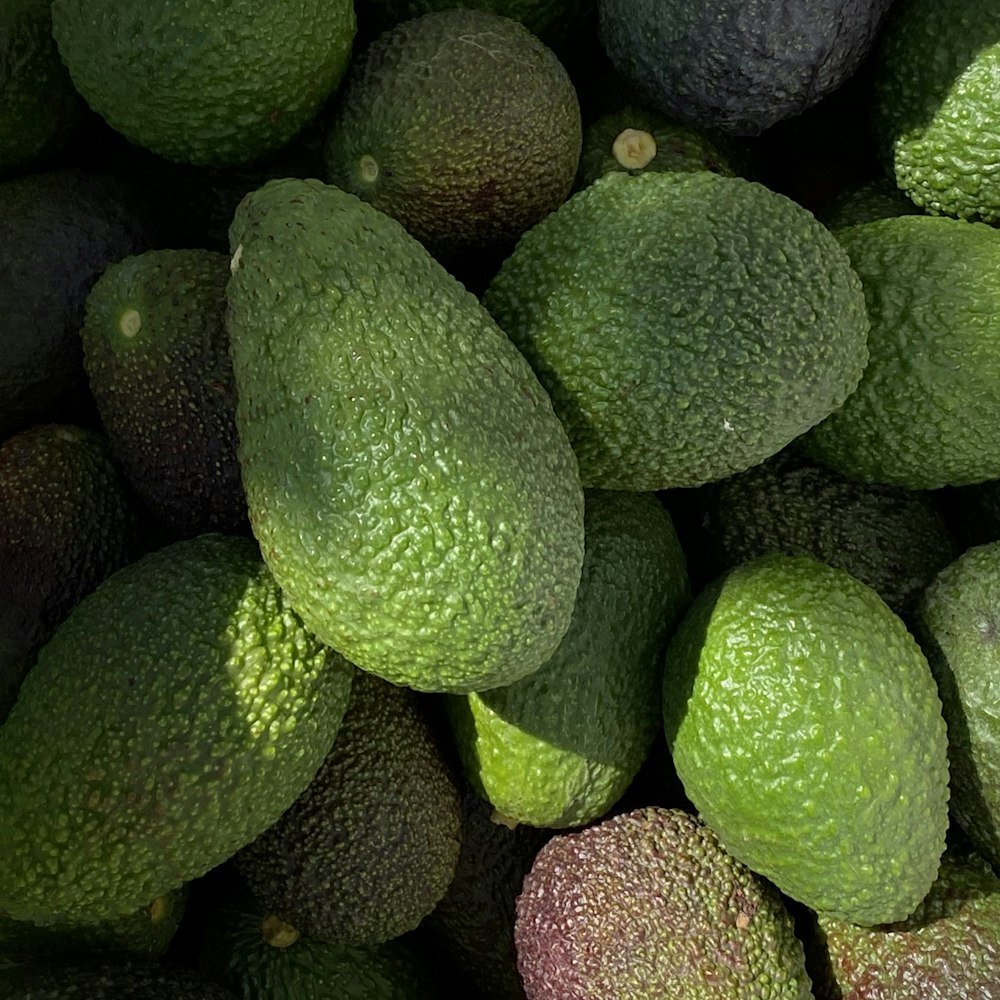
(410, 485)
(173, 716)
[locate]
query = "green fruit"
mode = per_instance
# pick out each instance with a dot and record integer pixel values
(559, 747)
(633, 139)
(40, 108)
(157, 361)
(958, 625)
(934, 105)
(146, 932)
(647, 905)
(218, 82)
(462, 125)
(173, 716)
(370, 846)
(926, 410)
(686, 325)
(411, 488)
(716, 64)
(866, 202)
(806, 727)
(946, 950)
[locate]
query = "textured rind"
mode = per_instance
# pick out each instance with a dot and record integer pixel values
(559, 747)
(686, 325)
(737, 65)
(806, 728)
(893, 539)
(370, 846)
(648, 906)
(949, 949)
(410, 486)
(166, 395)
(958, 625)
(926, 411)
(173, 716)
(209, 82)
(145, 933)
(236, 954)
(473, 121)
(935, 105)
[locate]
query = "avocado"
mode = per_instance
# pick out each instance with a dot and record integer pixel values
(925, 411)
(632, 138)
(177, 711)
(472, 926)
(212, 83)
(933, 105)
(686, 325)
(462, 125)
(261, 957)
(58, 231)
(41, 108)
(67, 521)
(648, 904)
(946, 949)
(133, 980)
(370, 847)
(865, 202)
(410, 485)
(895, 540)
(723, 64)
(806, 727)
(156, 355)
(559, 747)
(147, 932)
(957, 625)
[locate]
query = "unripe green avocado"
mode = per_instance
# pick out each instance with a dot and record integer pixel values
(410, 485)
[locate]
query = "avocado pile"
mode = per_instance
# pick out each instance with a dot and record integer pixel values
(499, 497)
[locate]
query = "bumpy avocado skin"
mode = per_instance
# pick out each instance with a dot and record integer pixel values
(410, 486)
(559, 747)
(157, 362)
(370, 846)
(945, 950)
(686, 325)
(737, 66)
(895, 540)
(647, 905)
(173, 716)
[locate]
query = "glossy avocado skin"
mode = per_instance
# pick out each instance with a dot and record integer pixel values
(734, 65)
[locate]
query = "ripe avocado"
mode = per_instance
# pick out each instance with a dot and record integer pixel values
(58, 231)
(686, 325)
(173, 716)
(67, 521)
(156, 356)
(370, 847)
(559, 747)
(735, 66)
(945, 950)
(647, 905)
(411, 488)
(462, 125)
(806, 727)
